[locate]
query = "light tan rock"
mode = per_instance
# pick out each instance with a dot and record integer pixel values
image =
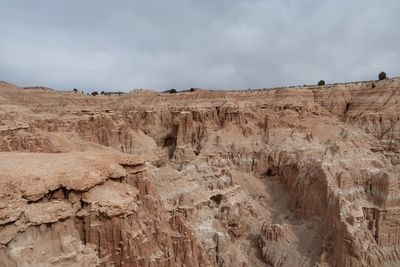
(302, 176)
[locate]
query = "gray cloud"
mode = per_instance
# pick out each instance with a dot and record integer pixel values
(96, 44)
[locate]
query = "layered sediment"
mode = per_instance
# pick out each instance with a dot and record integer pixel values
(302, 176)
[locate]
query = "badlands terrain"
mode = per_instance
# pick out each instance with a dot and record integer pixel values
(300, 176)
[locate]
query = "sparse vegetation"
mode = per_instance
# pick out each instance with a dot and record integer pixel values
(382, 76)
(321, 82)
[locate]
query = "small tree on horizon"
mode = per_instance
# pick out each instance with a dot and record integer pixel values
(95, 93)
(321, 82)
(382, 76)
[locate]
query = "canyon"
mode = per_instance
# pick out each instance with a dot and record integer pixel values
(297, 176)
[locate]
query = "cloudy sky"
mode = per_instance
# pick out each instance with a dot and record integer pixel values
(120, 45)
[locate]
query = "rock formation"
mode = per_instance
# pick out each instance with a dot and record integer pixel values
(303, 176)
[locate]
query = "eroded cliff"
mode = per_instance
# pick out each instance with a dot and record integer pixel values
(299, 176)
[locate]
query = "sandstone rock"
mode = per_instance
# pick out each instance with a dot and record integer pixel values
(290, 177)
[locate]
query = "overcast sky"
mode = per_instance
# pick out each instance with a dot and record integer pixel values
(121, 44)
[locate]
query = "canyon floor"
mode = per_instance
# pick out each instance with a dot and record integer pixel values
(299, 176)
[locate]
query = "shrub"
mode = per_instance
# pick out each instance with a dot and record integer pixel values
(382, 76)
(321, 82)
(94, 93)
(192, 90)
(75, 90)
(172, 91)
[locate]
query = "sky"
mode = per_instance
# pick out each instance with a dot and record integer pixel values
(216, 44)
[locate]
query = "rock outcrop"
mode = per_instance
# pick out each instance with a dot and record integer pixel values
(81, 209)
(302, 176)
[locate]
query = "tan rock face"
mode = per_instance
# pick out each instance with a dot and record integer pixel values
(292, 177)
(109, 217)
